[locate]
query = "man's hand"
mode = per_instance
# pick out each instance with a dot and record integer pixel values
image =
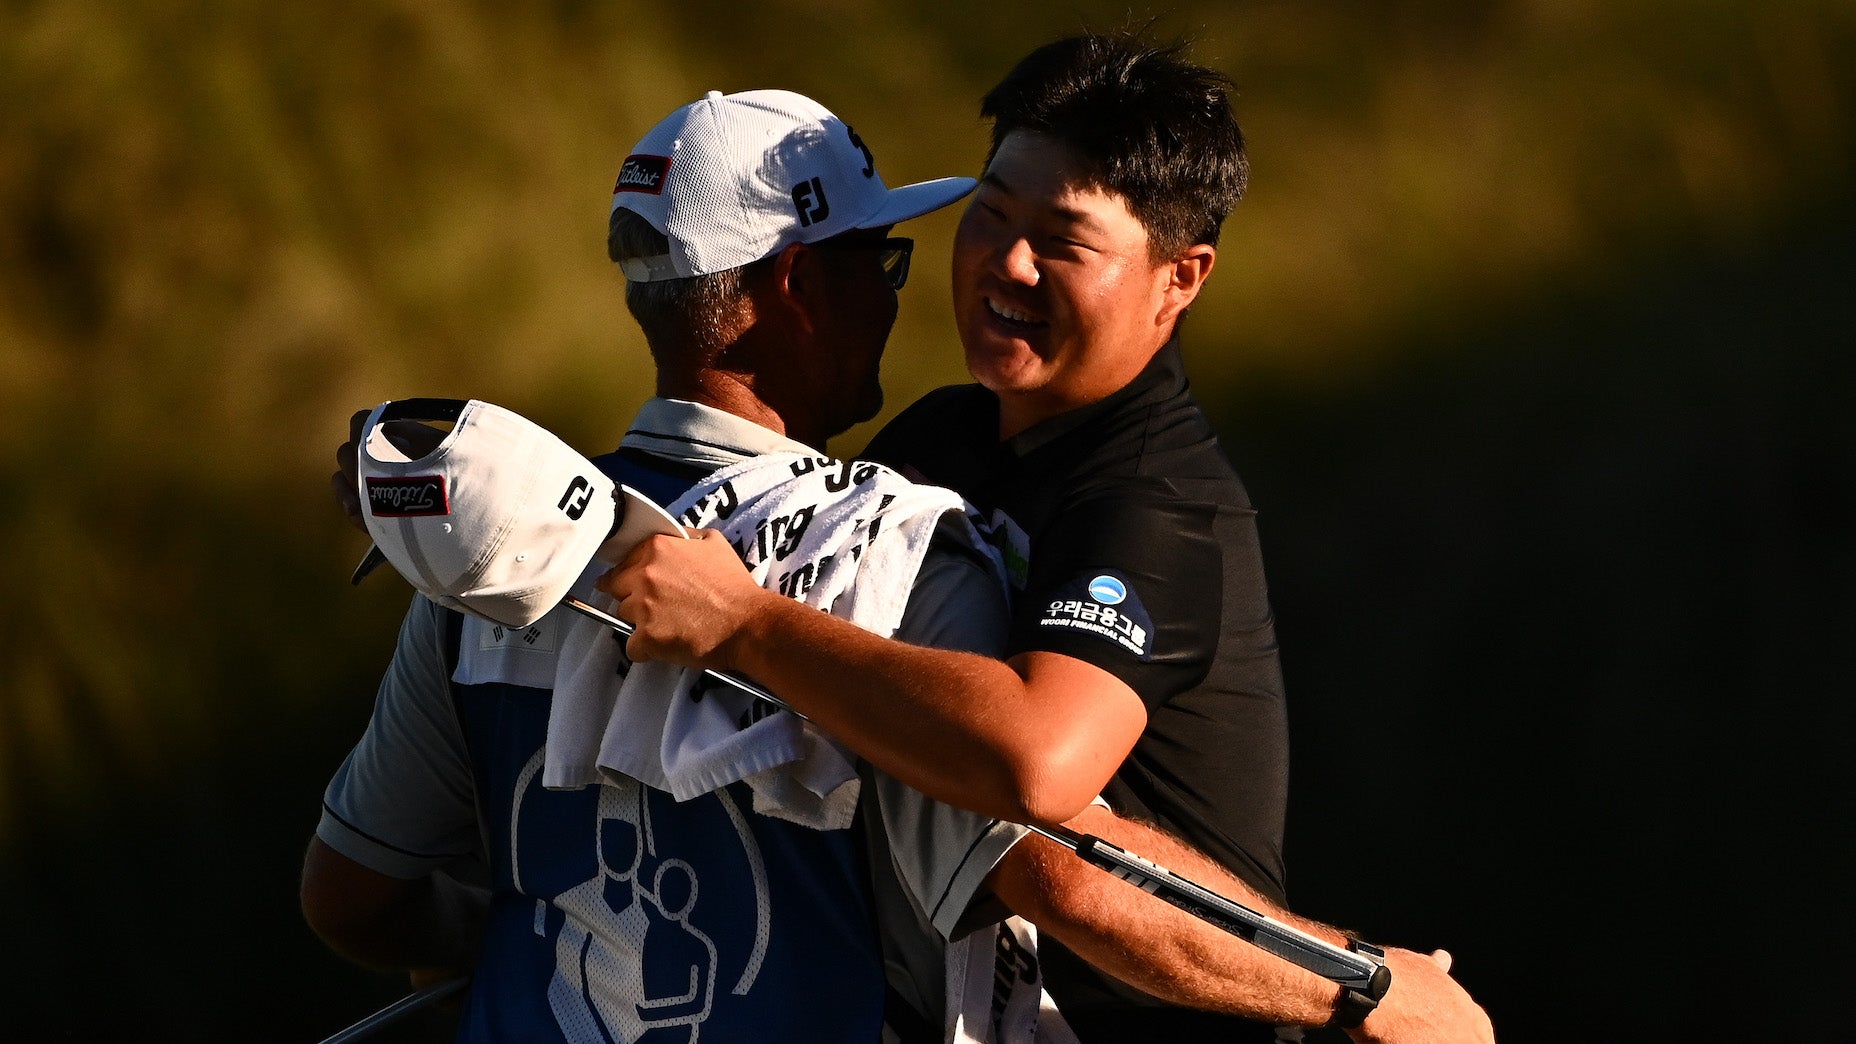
(344, 483)
(430, 926)
(1424, 1006)
(688, 599)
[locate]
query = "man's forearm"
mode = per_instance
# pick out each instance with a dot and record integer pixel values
(908, 710)
(1156, 947)
(1027, 740)
(439, 924)
(1153, 946)
(389, 923)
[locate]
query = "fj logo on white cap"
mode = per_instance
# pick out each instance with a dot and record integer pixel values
(809, 198)
(579, 494)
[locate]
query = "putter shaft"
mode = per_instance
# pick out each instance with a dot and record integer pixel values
(399, 1009)
(738, 682)
(1362, 970)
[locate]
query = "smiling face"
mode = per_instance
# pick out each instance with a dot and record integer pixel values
(1057, 301)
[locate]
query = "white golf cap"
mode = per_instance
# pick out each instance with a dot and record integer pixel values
(499, 520)
(734, 178)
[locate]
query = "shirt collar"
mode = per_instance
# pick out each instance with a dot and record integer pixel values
(696, 434)
(1163, 376)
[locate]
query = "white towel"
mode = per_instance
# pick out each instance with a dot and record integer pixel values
(995, 990)
(843, 536)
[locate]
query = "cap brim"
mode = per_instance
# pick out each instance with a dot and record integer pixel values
(911, 201)
(639, 517)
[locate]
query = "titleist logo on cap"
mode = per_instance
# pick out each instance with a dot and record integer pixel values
(642, 173)
(408, 497)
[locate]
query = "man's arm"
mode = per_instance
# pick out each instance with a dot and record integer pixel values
(431, 925)
(398, 811)
(1032, 739)
(1157, 948)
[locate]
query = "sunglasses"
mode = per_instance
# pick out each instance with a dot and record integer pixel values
(893, 253)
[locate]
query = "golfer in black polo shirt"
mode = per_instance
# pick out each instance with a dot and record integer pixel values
(1142, 661)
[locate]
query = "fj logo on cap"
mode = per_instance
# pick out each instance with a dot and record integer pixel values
(809, 197)
(407, 497)
(642, 173)
(579, 494)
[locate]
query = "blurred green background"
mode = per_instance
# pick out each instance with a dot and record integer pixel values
(1532, 342)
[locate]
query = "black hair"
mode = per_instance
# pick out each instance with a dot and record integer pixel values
(1150, 125)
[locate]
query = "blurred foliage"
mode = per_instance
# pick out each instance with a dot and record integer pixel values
(1480, 236)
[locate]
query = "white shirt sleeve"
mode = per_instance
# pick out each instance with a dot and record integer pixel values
(940, 853)
(403, 803)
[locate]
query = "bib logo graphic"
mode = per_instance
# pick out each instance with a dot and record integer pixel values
(642, 173)
(411, 497)
(1103, 605)
(653, 937)
(579, 494)
(809, 198)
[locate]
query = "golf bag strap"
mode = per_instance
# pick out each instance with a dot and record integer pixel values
(454, 648)
(454, 640)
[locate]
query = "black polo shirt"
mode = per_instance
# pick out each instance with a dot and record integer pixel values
(1144, 561)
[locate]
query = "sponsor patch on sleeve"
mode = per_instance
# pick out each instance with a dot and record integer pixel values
(407, 497)
(1103, 604)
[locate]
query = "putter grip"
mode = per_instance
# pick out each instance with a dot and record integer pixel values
(1356, 1002)
(1355, 970)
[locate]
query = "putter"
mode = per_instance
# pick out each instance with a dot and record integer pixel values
(399, 1009)
(1359, 967)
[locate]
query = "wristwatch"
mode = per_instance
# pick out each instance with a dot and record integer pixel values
(1357, 1003)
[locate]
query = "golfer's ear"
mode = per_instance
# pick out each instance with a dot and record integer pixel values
(1185, 276)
